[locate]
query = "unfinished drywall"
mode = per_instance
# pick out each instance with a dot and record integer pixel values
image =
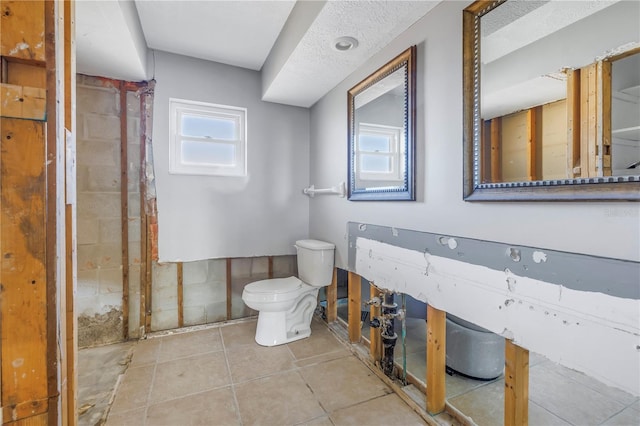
(100, 273)
(208, 217)
(581, 311)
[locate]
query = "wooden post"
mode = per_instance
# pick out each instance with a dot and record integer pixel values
(124, 209)
(436, 359)
(604, 118)
(229, 288)
(180, 278)
(354, 283)
(534, 143)
(270, 267)
(573, 123)
(374, 333)
(516, 385)
(332, 298)
(496, 149)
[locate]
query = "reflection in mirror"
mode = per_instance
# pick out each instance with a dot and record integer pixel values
(552, 100)
(381, 132)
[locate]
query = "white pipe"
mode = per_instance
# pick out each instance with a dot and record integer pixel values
(339, 189)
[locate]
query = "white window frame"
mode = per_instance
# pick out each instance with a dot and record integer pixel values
(394, 134)
(177, 165)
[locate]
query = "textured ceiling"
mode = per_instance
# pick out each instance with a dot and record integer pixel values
(291, 42)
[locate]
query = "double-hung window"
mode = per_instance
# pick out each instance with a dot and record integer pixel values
(378, 152)
(207, 139)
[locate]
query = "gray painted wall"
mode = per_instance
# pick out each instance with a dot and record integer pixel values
(206, 217)
(601, 229)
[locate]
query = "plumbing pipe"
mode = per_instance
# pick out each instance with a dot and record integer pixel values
(389, 336)
(340, 190)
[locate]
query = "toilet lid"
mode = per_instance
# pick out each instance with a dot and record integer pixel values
(275, 286)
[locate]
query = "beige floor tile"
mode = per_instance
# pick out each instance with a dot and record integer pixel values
(215, 407)
(251, 362)
(145, 352)
(627, 417)
(127, 418)
(323, 341)
(610, 392)
(238, 335)
(319, 359)
(184, 376)
(191, 343)
(484, 405)
(343, 382)
(385, 410)
(320, 421)
(281, 399)
(568, 398)
(134, 390)
(458, 385)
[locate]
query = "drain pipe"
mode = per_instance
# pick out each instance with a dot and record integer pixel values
(389, 336)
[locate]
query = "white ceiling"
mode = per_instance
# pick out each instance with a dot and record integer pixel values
(290, 42)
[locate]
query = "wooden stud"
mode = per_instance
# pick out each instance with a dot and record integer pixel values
(375, 346)
(354, 283)
(588, 123)
(124, 210)
(534, 143)
(180, 294)
(26, 73)
(53, 15)
(496, 150)
(485, 145)
(436, 359)
(23, 276)
(604, 118)
(145, 280)
(573, 123)
(148, 278)
(270, 267)
(229, 288)
(332, 298)
(516, 385)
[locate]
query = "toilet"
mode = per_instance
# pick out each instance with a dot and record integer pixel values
(285, 305)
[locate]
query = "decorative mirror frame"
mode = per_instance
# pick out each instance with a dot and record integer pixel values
(609, 188)
(407, 191)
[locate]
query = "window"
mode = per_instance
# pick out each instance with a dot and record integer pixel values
(207, 139)
(378, 152)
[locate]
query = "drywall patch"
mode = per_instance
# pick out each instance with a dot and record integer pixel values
(539, 257)
(100, 329)
(577, 330)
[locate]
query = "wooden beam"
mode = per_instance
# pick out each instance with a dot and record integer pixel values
(516, 385)
(229, 288)
(55, 250)
(496, 149)
(375, 346)
(145, 264)
(534, 143)
(354, 283)
(180, 294)
(23, 276)
(604, 118)
(270, 267)
(573, 123)
(124, 210)
(332, 298)
(436, 359)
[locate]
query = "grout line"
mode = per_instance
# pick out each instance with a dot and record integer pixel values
(231, 382)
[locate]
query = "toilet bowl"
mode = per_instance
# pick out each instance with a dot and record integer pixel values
(285, 305)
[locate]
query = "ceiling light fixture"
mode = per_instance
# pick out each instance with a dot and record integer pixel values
(343, 44)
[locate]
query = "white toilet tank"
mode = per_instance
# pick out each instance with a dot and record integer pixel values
(315, 262)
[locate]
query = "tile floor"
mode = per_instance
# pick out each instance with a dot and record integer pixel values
(220, 376)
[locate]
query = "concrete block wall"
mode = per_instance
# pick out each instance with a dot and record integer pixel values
(99, 294)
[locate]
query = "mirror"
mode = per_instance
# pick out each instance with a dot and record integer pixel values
(381, 125)
(551, 100)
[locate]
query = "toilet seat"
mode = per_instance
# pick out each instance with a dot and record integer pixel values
(274, 290)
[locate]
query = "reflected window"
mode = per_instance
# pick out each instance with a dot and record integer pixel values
(378, 152)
